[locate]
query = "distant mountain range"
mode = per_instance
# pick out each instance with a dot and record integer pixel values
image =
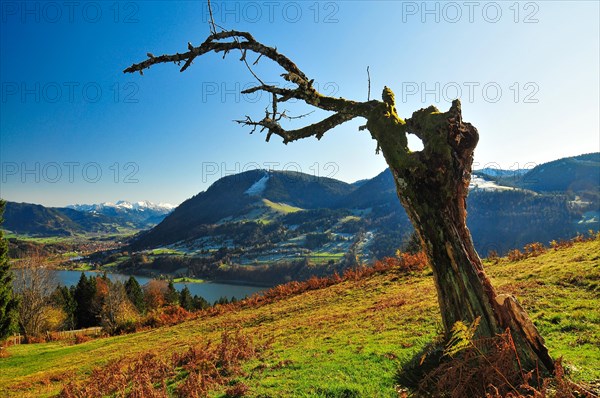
(263, 216)
(579, 174)
(37, 220)
(274, 214)
(103, 218)
(123, 205)
(137, 215)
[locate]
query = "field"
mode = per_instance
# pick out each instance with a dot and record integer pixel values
(349, 339)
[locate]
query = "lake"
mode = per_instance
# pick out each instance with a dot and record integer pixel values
(210, 291)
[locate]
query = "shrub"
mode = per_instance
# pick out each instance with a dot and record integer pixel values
(515, 255)
(81, 338)
(238, 390)
(195, 372)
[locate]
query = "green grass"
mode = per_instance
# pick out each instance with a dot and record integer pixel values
(71, 254)
(350, 339)
(82, 267)
(186, 279)
(160, 251)
(44, 240)
(323, 257)
(281, 207)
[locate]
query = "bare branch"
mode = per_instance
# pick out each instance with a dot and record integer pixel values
(285, 115)
(316, 129)
(369, 87)
(226, 41)
(212, 25)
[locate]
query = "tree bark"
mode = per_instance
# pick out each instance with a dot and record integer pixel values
(432, 185)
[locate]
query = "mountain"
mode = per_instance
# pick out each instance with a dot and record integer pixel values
(577, 174)
(497, 172)
(265, 218)
(104, 218)
(253, 193)
(141, 206)
(138, 215)
(37, 220)
(377, 191)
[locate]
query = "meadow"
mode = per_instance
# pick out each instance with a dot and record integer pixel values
(346, 340)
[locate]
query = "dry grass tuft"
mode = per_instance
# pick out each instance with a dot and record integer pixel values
(204, 368)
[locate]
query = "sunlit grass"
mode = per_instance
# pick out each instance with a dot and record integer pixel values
(281, 207)
(351, 338)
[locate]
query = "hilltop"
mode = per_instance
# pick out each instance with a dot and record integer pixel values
(107, 218)
(349, 339)
(266, 226)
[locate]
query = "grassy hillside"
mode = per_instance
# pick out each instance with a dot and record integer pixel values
(349, 339)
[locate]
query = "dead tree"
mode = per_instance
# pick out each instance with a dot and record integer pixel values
(432, 184)
(33, 285)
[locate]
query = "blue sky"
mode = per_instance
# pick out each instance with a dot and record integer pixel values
(75, 129)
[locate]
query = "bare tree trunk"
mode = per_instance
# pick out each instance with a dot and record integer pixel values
(432, 185)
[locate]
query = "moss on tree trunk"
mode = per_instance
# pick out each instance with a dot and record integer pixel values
(432, 185)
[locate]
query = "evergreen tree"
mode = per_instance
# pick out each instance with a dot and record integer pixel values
(172, 296)
(200, 303)
(63, 298)
(85, 293)
(222, 300)
(186, 301)
(413, 246)
(8, 302)
(135, 294)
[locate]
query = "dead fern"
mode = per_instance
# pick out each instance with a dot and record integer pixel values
(461, 337)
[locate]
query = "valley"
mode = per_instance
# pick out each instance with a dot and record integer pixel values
(349, 339)
(264, 228)
(301, 199)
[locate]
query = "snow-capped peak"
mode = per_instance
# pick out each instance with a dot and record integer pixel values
(125, 205)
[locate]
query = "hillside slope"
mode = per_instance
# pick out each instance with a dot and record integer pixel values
(349, 339)
(580, 174)
(237, 195)
(366, 219)
(37, 220)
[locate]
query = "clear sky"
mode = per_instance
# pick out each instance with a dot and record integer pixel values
(75, 129)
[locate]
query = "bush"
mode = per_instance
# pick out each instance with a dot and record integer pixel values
(238, 390)
(165, 316)
(81, 338)
(195, 372)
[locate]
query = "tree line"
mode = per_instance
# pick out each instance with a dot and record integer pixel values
(33, 304)
(96, 300)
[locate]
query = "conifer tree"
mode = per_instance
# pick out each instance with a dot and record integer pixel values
(8, 302)
(85, 293)
(135, 294)
(186, 301)
(172, 296)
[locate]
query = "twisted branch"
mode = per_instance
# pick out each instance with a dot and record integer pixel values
(227, 41)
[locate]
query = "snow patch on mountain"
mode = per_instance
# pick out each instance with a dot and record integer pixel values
(479, 183)
(258, 187)
(494, 172)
